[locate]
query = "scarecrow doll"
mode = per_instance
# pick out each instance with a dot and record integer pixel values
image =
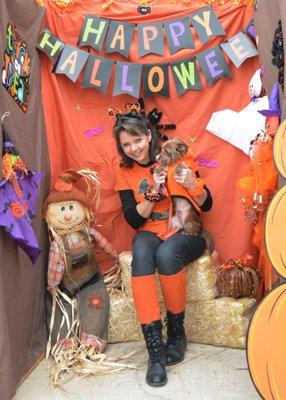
(79, 310)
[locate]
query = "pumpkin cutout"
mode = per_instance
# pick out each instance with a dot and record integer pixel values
(19, 210)
(266, 346)
(279, 149)
(275, 232)
(237, 279)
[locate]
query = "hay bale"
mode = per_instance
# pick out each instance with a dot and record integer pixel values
(123, 323)
(220, 322)
(201, 277)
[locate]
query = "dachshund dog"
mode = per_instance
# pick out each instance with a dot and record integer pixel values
(186, 216)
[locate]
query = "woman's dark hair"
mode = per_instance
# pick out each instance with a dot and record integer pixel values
(135, 123)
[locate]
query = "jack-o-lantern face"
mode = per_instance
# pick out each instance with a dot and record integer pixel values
(66, 214)
(19, 210)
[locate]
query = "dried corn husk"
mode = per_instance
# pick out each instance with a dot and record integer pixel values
(112, 279)
(201, 277)
(123, 321)
(69, 357)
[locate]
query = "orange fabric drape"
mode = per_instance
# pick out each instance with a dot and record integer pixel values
(71, 110)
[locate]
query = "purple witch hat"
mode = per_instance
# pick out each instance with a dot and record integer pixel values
(8, 146)
(251, 31)
(18, 193)
(274, 104)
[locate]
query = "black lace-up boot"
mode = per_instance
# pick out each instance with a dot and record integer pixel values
(156, 372)
(176, 338)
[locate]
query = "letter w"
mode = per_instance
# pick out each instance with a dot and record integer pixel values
(186, 74)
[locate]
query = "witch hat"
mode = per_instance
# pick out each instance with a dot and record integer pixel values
(8, 146)
(274, 104)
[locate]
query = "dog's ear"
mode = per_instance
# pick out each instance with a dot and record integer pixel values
(182, 148)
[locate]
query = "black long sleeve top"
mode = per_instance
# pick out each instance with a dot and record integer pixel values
(135, 220)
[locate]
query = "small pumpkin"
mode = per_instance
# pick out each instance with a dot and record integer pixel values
(275, 232)
(238, 279)
(266, 349)
(279, 149)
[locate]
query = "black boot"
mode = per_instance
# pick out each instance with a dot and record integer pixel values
(176, 338)
(156, 372)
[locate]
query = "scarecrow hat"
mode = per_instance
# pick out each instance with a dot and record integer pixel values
(81, 185)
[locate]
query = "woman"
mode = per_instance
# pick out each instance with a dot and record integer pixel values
(156, 245)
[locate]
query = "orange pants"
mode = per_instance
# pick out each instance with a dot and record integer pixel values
(146, 298)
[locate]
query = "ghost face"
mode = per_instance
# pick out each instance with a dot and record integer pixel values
(66, 214)
(255, 85)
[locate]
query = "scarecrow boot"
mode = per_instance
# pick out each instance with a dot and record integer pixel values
(176, 338)
(156, 372)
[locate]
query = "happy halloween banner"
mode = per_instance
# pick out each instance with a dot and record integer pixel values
(116, 37)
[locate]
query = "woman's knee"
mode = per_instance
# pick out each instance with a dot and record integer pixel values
(143, 255)
(167, 261)
(142, 264)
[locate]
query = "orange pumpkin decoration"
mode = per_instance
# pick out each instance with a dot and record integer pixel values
(18, 209)
(279, 149)
(266, 345)
(275, 232)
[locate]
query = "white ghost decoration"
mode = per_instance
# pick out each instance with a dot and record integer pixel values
(240, 128)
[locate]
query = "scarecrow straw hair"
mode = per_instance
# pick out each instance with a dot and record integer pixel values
(113, 279)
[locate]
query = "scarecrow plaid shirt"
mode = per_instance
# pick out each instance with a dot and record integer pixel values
(56, 261)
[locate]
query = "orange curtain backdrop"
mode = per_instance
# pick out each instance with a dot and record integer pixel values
(71, 110)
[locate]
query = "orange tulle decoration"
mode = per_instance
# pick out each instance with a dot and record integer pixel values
(256, 188)
(259, 184)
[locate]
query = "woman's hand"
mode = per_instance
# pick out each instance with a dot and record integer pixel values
(186, 178)
(159, 179)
